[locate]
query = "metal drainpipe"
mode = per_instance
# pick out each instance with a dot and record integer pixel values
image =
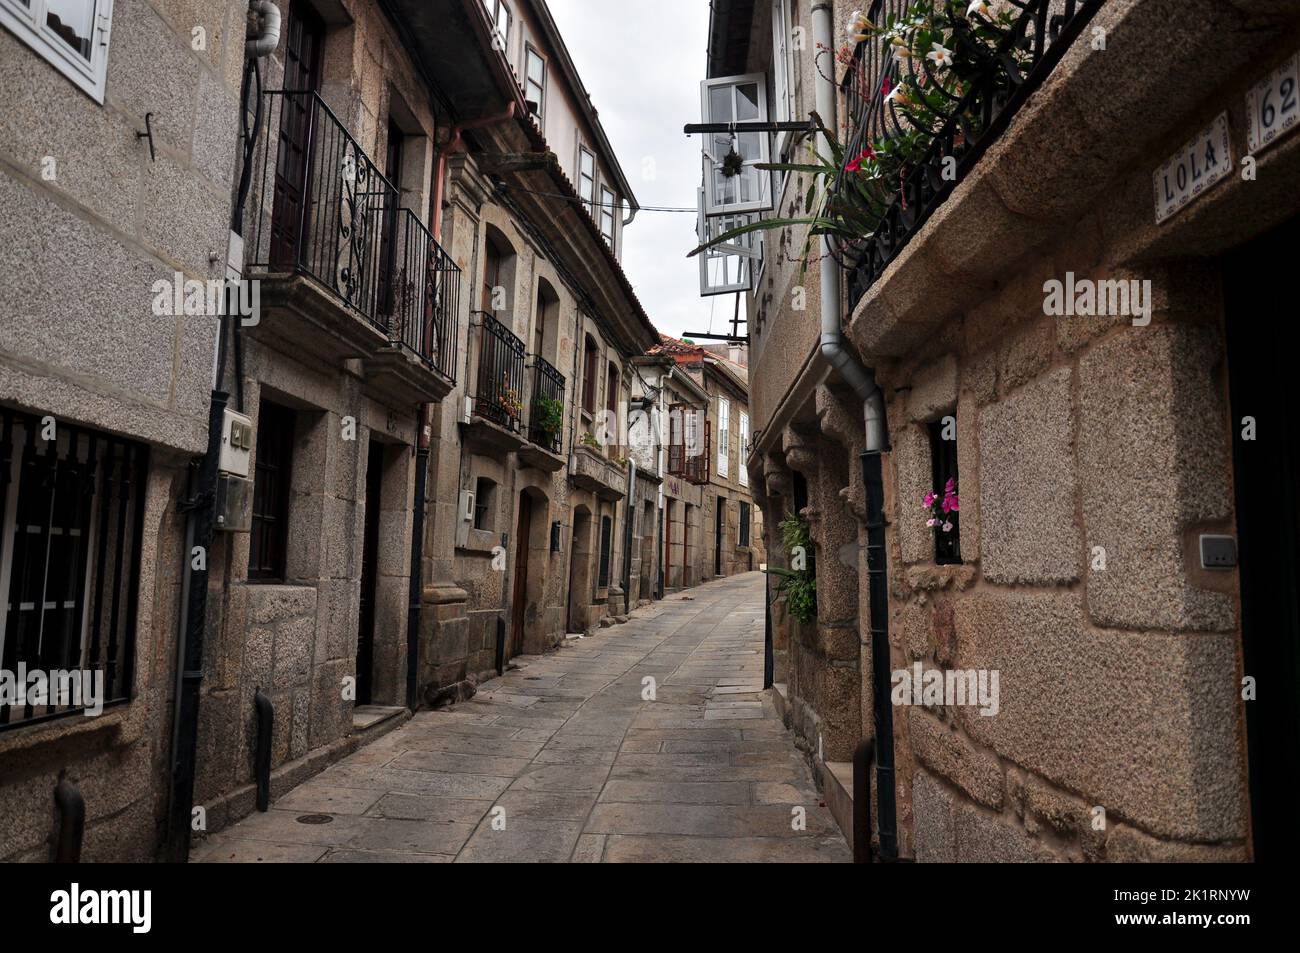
(627, 538)
(863, 382)
(200, 521)
(416, 588)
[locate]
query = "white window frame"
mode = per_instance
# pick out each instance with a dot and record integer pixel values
(742, 474)
(729, 267)
(724, 436)
(531, 52)
(607, 202)
(28, 23)
(587, 200)
(783, 74)
(763, 180)
(494, 10)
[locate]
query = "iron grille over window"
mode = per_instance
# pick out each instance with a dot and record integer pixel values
(269, 540)
(744, 524)
(943, 465)
(71, 513)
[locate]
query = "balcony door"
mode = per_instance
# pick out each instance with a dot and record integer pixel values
(304, 40)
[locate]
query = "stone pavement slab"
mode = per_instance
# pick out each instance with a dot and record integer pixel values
(651, 741)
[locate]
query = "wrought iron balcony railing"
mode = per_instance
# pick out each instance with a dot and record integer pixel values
(422, 295)
(499, 385)
(320, 207)
(546, 410)
(1002, 69)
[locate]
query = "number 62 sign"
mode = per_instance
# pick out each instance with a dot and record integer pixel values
(1274, 104)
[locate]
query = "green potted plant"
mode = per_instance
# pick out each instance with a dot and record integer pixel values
(548, 416)
(798, 585)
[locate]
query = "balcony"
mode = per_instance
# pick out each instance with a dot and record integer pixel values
(1000, 66)
(545, 417)
(419, 304)
(345, 271)
(590, 469)
(689, 450)
(497, 403)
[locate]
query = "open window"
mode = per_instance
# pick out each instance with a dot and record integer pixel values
(732, 181)
(731, 266)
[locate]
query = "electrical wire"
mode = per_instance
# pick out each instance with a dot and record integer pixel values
(572, 199)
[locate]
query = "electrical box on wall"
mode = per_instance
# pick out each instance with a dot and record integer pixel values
(1218, 552)
(234, 503)
(467, 505)
(236, 444)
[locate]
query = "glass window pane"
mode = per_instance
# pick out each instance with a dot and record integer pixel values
(747, 102)
(720, 104)
(72, 21)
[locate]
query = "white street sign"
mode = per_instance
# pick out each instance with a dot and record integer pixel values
(1193, 169)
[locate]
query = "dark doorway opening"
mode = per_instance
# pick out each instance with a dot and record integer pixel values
(1261, 341)
(519, 599)
(720, 519)
(369, 576)
(304, 40)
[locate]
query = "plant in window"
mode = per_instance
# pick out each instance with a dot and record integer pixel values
(798, 585)
(942, 508)
(939, 51)
(589, 440)
(549, 416)
(509, 399)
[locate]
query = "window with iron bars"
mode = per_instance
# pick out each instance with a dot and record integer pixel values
(71, 519)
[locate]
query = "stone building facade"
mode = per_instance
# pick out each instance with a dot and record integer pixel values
(730, 526)
(1112, 562)
(440, 446)
(551, 322)
(104, 393)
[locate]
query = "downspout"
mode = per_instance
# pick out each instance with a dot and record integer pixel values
(200, 509)
(628, 511)
(415, 591)
(453, 145)
(863, 382)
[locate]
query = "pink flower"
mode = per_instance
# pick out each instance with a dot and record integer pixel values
(952, 504)
(950, 486)
(947, 503)
(947, 527)
(929, 500)
(856, 164)
(931, 522)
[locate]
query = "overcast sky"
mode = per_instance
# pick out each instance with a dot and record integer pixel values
(642, 63)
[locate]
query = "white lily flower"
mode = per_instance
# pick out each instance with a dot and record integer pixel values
(979, 6)
(940, 56)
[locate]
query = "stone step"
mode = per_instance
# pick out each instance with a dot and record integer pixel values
(838, 790)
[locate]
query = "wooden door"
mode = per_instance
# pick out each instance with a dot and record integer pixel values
(304, 39)
(369, 576)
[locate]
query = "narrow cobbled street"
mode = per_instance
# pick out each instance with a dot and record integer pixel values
(577, 756)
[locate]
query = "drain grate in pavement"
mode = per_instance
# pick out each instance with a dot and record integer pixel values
(315, 819)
